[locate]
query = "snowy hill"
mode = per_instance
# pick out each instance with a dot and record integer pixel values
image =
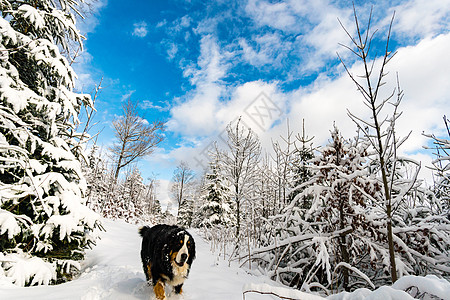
(112, 270)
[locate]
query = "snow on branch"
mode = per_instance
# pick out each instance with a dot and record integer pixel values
(280, 292)
(305, 237)
(361, 274)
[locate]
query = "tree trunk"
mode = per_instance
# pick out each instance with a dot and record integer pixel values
(387, 195)
(343, 246)
(119, 161)
(238, 217)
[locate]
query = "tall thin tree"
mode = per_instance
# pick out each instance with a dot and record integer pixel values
(182, 180)
(379, 130)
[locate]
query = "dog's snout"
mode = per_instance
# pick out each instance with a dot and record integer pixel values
(184, 257)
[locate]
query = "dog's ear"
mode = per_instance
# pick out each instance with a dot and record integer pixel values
(191, 250)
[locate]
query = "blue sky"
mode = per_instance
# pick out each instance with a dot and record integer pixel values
(199, 65)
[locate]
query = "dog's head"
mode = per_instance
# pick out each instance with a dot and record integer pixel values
(181, 247)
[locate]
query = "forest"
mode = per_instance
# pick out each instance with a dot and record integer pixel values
(350, 214)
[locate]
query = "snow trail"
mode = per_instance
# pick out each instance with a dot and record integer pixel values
(113, 270)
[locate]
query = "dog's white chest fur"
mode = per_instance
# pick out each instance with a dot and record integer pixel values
(179, 274)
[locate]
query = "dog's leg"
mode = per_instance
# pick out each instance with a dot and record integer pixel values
(149, 271)
(159, 290)
(178, 289)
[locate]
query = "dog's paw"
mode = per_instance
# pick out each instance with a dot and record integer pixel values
(176, 297)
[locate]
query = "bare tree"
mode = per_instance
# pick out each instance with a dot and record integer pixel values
(379, 130)
(136, 138)
(182, 180)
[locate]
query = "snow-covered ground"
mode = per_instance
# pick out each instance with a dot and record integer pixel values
(112, 270)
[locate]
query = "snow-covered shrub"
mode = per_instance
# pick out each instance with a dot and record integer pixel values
(309, 242)
(44, 223)
(339, 240)
(441, 168)
(128, 199)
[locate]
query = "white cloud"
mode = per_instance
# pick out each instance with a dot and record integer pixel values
(146, 104)
(314, 25)
(424, 77)
(126, 96)
(196, 115)
(182, 23)
(423, 72)
(277, 15)
(265, 49)
(161, 23)
(140, 29)
(172, 51)
(421, 18)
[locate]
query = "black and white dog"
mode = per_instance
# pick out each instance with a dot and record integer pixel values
(167, 253)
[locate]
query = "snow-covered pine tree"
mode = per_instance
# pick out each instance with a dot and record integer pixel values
(240, 166)
(155, 212)
(302, 173)
(316, 243)
(44, 224)
(186, 211)
(216, 209)
(341, 190)
(95, 171)
(133, 190)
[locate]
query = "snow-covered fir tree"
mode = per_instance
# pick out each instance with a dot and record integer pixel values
(44, 224)
(332, 229)
(95, 171)
(338, 241)
(240, 167)
(132, 194)
(186, 211)
(216, 208)
(302, 172)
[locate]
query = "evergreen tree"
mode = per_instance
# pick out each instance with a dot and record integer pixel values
(340, 190)
(185, 212)
(133, 192)
(329, 235)
(300, 165)
(156, 211)
(216, 209)
(95, 172)
(43, 219)
(240, 166)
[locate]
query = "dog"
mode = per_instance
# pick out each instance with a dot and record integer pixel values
(167, 254)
